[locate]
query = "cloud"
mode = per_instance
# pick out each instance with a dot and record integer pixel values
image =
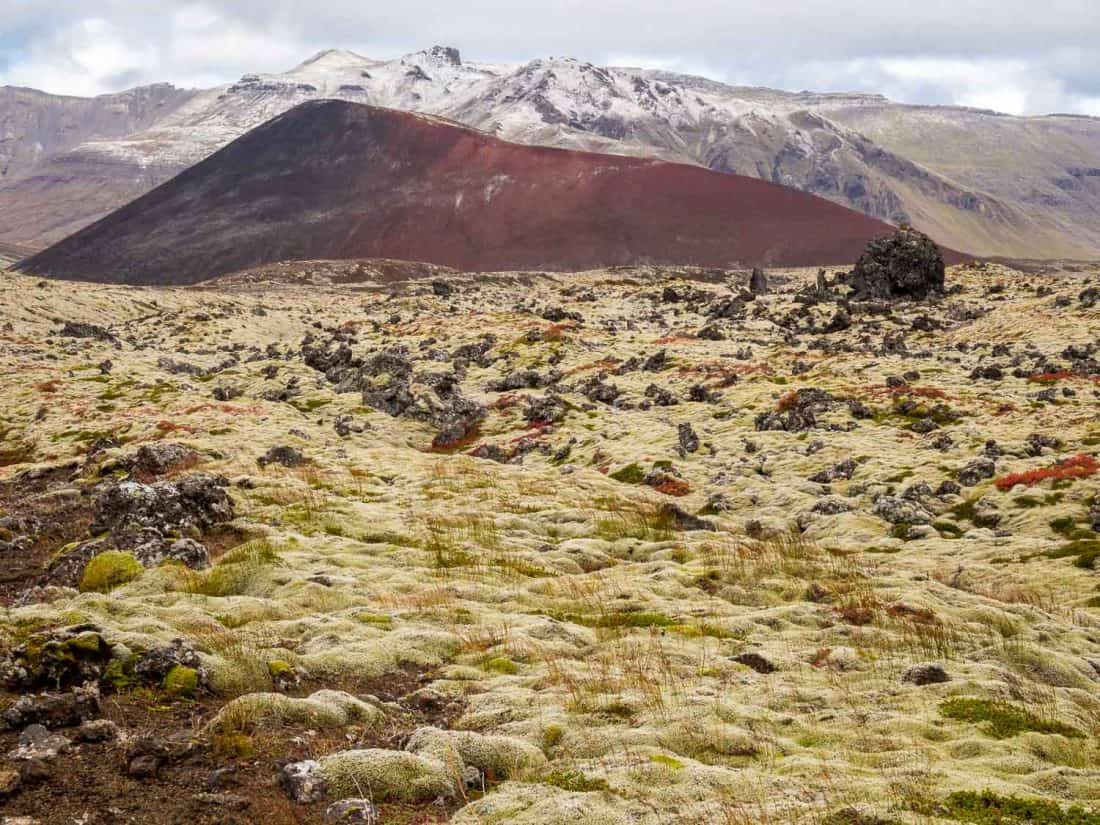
(1012, 55)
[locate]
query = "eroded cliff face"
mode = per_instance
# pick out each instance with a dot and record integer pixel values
(35, 125)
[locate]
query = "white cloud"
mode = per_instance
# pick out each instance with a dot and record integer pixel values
(1012, 55)
(86, 57)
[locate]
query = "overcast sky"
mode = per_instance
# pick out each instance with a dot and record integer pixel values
(1018, 56)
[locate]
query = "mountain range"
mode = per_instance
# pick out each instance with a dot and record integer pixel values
(983, 182)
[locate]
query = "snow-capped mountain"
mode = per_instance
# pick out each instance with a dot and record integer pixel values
(979, 181)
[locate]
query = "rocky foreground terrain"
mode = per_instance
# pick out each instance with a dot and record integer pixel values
(316, 544)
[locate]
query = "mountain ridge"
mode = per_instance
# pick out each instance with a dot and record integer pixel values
(994, 184)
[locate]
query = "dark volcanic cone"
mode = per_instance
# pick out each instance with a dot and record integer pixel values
(331, 179)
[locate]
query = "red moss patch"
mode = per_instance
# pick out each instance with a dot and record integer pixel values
(1080, 466)
(172, 426)
(442, 445)
(672, 487)
(603, 364)
(556, 332)
(787, 401)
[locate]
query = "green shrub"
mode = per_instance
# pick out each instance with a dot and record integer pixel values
(988, 808)
(502, 664)
(182, 681)
(667, 761)
(630, 474)
(108, 570)
(235, 572)
(575, 781)
(1001, 719)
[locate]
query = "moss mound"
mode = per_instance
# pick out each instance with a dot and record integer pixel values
(109, 570)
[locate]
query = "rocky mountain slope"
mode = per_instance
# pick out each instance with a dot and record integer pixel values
(35, 126)
(817, 560)
(985, 183)
(345, 180)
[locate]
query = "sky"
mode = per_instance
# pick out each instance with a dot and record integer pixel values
(1015, 56)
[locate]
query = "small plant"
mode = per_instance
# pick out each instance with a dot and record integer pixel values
(552, 736)
(182, 681)
(635, 521)
(666, 760)
(501, 664)
(238, 745)
(235, 573)
(575, 781)
(630, 474)
(1084, 553)
(989, 808)
(1002, 720)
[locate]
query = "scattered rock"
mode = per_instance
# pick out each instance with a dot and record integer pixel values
(303, 781)
(758, 282)
(977, 471)
(756, 662)
(96, 731)
(680, 520)
(161, 458)
(58, 658)
(78, 329)
(689, 441)
(901, 511)
(36, 743)
(351, 812)
(285, 456)
(925, 673)
(52, 710)
(10, 782)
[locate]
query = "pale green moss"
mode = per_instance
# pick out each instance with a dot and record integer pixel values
(501, 664)
(323, 709)
(500, 757)
(389, 776)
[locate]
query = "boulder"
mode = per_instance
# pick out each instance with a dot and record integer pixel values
(905, 265)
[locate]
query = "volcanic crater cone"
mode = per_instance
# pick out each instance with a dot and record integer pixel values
(337, 180)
